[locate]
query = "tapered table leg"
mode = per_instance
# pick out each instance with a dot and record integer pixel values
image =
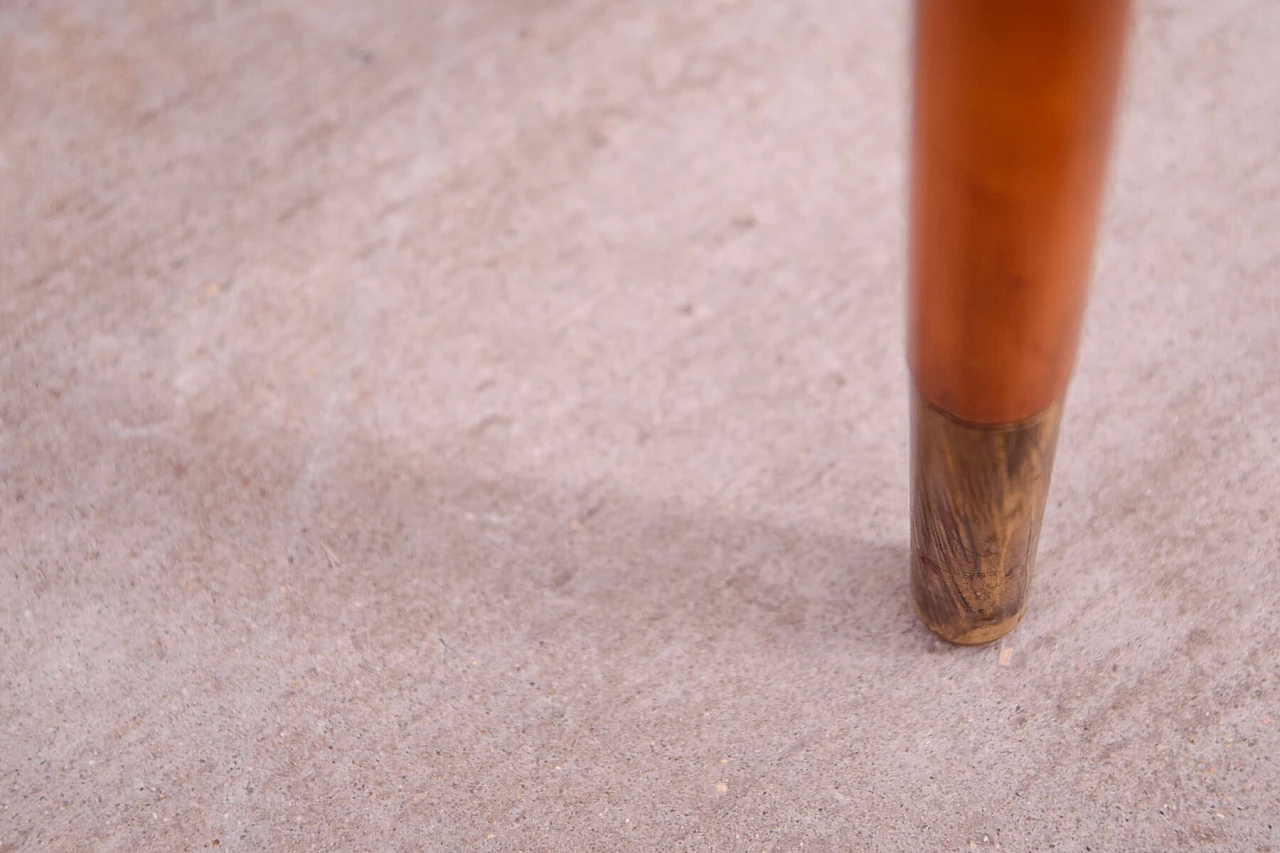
(1011, 121)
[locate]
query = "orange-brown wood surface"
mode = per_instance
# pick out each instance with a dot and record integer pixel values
(1012, 113)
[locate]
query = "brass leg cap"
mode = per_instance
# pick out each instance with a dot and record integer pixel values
(977, 500)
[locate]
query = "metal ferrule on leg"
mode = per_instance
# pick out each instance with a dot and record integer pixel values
(977, 500)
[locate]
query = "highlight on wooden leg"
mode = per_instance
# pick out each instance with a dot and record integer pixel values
(978, 494)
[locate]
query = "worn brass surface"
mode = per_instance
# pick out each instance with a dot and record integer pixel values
(977, 500)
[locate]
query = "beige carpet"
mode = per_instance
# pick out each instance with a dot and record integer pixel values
(481, 425)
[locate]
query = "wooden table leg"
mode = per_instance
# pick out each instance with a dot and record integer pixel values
(1011, 124)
